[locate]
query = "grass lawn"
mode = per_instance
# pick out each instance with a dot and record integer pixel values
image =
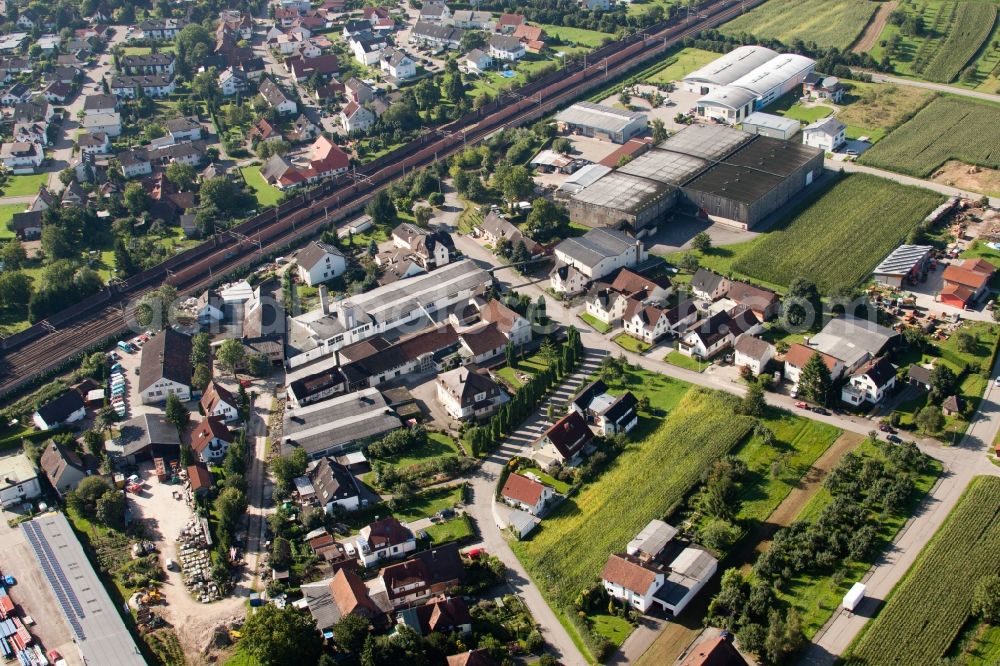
(613, 627)
(628, 343)
(720, 260)
(573, 543)
(591, 38)
(984, 650)
(265, 192)
(455, 529)
(526, 366)
(6, 214)
(774, 469)
(595, 323)
(438, 445)
(560, 486)
(682, 64)
(873, 109)
(683, 361)
(26, 185)
(790, 107)
(429, 502)
(817, 597)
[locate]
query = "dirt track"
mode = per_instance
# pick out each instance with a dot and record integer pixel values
(868, 38)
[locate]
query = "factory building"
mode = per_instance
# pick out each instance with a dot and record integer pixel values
(727, 175)
(601, 122)
(766, 124)
(745, 80)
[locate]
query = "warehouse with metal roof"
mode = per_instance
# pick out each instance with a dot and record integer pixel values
(333, 426)
(768, 124)
(905, 262)
(602, 122)
(727, 175)
(99, 632)
(776, 77)
(727, 68)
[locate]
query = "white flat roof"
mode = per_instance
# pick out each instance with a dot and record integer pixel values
(731, 66)
(728, 97)
(771, 121)
(774, 73)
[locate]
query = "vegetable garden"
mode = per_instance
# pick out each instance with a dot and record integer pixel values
(829, 23)
(947, 128)
(646, 481)
(834, 238)
(928, 607)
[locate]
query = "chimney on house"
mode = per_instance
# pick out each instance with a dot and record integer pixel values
(324, 299)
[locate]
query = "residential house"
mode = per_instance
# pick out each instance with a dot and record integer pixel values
(149, 63)
(427, 574)
(356, 118)
(18, 480)
(94, 143)
(304, 68)
(350, 596)
(15, 94)
(826, 134)
(200, 479)
(73, 194)
(822, 86)
(953, 405)
(482, 343)
(354, 27)
(870, 382)
(496, 229)
(397, 64)
(219, 401)
(367, 48)
(100, 104)
(564, 442)
(431, 248)
(752, 352)
(302, 130)
(232, 81)
(709, 286)
(443, 614)
(480, 657)
(514, 327)
(209, 308)
(505, 47)
(508, 23)
(109, 123)
(531, 36)
(210, 439)
(467, 19)
(21, 157)
(65, 468)
(265, 131)
(440, 36)
(567, 279)
(435, 12)
(27, 225)
(597, 253)
(477, 61)
(323, 160)
(319, 262)
(798, 355)
(330, 91)
(28, 18)
(707, 337)
(135, 163)
(611, 414)
(854, 341)
(13, 41)
(67, 408)
(161, 29)
(184, 129)
(466, 393)
(276, 98)
(632, 582)
(57, 92)
(384, 539)
(644, 322)
(358, 91)
(526, 494)
(919, 377)
(152, 85)
(764, 303)
(165, 367)
(965, 282)
(335, 485)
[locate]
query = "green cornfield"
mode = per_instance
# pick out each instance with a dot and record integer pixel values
(949, 128)
(829, 23)
(928, 607)
(970, 26)
(841, 236)
(646, 481)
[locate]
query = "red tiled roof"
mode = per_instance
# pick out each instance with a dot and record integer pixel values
(798, 354)
(522, 489)
(199, 477)
(211, 427)
(569, 434)
(629, 574)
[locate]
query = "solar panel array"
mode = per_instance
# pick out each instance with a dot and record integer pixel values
(68, 601)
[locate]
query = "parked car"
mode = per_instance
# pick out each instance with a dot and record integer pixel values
(895, 439)
(444, 514)
(821, 410)
(885, 427)
(802, 405)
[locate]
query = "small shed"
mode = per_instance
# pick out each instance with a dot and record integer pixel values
(522, 523)
(854, 596)
(952, 405)
(768, 124)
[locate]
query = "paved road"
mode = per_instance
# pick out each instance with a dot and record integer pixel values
(961, 464)
(947, 190)
(940, 87)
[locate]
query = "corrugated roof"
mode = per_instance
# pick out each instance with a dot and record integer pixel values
(598, 116)
(773, 73)
(902, 260)
(733, 65)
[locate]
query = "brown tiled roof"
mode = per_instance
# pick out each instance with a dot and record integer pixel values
(522, 489)
(200, 477)
(628, 282)
(756, 298)
(351, 595)
(427, 568)
(628, 573)
(799, 354)
(209, 428)
(484, 339)
(569, 434)
(649, 314)
(497, 313)
(718, 651)
(972, 276)
(478, 657)
(387, 532)
(214, 394)
(55, 459)
(752, 346)
(632, 147)
(443, 614)
(167, 355)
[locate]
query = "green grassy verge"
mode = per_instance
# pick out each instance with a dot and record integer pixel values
(595, 323)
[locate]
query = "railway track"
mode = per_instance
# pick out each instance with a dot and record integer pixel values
(330, 203)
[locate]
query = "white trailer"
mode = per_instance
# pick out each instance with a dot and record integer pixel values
(854, 596)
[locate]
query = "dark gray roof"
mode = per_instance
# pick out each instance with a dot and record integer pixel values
(58, 410)
(333, 481)
(705, 280)
(595, 245)
(147, 430)
(314, 252)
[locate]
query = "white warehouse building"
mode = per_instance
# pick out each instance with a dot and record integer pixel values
(732, 89)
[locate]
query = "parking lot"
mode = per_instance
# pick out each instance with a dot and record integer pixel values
(33, 594)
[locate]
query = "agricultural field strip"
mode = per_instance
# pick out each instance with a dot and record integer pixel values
(829, 23)
(972, 24)
(832, 237)
(930, 605)
(947, 128)
(570, 549)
